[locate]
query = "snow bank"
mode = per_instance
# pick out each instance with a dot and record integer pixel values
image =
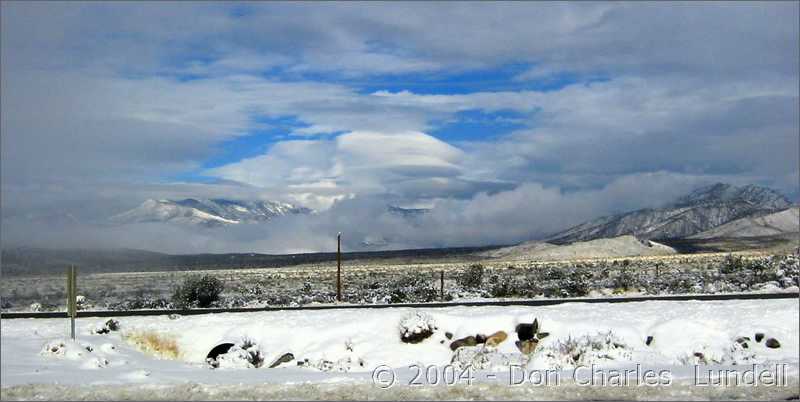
(340, 349)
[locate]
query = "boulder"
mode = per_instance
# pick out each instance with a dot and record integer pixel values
(466, 341)
(496, 338)
(416, 327)
(527, 347)
(285, 358)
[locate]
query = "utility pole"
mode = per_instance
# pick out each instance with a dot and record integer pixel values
(72, 304)
(441, 285)
(339, 267)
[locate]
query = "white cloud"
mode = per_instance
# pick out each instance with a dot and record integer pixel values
(702, 91)
(359, 162)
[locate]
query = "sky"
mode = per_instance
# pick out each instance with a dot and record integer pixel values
(508, 120)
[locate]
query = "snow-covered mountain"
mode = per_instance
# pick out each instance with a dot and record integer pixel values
(207, 212)
(776, 223)
(699, 211)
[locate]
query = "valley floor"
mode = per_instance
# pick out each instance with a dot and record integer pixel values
(162, 357)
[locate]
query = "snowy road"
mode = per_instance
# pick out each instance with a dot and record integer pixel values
(353, 342)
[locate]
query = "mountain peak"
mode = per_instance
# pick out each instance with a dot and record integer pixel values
(702, 209)
(207, 212)
(761, 197)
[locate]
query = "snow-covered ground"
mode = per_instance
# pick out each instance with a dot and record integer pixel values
(341, 349)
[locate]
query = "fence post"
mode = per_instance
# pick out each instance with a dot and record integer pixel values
(72, 304)
(339, 267)
(441, 285)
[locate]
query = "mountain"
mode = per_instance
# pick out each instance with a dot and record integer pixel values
(623, 246)
(696, 212)
(207, 212)
(786, 221)
(407, 212)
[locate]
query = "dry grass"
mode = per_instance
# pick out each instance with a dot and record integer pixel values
(154, 343)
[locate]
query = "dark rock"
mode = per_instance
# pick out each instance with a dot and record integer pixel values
(525, 332)
(467, 341)
(220, 349)
(108, 326)
(772, 343)
(759, 336)
(480, 338)
(448, 335)
(416, 337)
(649, 340)
(285, 358)
(527, 347)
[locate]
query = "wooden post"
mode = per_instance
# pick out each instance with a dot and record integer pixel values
(339, 267)
(441, 286)
(72, 304)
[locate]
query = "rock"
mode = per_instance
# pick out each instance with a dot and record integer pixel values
(759, 336)
(220, 349)
(701, 358)
(496, 338)
(108, 326)
(527, 347)
(772, 343)
(526, 332)
(480, 338)
(649, 340)
(742, 340)
(448, 335)
(467, 341)
(416, 327)
(285, 358)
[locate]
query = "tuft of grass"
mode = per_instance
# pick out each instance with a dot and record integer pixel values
(154, 343)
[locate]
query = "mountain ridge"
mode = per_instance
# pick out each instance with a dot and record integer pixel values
(702, 209)
(207, 212)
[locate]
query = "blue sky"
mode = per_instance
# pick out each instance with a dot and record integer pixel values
(413, 104)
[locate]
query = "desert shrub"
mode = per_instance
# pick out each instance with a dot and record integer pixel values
(472, 278)
(577, 283)
(585, 350)
(412, 289)
(255, 290)
(153, 343)
(505, 286)
(732, 264)
(679, 284)
(624, 279)
(197, 291)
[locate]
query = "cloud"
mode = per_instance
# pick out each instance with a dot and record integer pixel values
(528, 211)
(107, 104)
(359, 162)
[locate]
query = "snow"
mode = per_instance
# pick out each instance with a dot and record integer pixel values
(622, 246)
(343, 347)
